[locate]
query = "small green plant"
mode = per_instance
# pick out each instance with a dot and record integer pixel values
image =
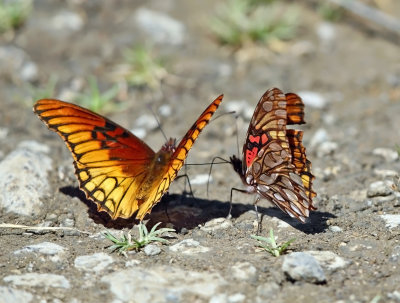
(269, 244)
(47, 91)
(126, 242)
(13, 13)
(142, 69)
(397, 147)
(96, 100)
(330, 12)
(240, 22)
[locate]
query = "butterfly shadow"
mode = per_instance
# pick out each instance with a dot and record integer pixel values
(185, 212)
(177, 211)
(315, 224)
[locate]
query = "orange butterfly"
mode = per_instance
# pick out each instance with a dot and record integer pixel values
(116, 169)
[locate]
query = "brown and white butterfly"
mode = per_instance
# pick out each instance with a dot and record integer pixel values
(274, 164)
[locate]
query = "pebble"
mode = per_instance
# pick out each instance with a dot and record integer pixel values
(385, 173)
(313, 99)
(9, 294)
(328, 260)
(23, 178)
(162, 284)
(160, 27)
(43, 281)
(335, 229)
(147, 122)
(165, 110)
(392, 221)
(244, 271)
(380, 188)
(386, 153)
(139, 132)
(67, 21)
(326, 148)
(326, 32)
(201, 179)
(217, 224)
(268, 290)
(152, 250)
(320, 136)
(301, 266)
(240, 107)
(16, 64)
(44, 248)
(93, 263)
(188, 247)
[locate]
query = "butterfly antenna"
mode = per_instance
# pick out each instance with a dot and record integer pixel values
(158, 121)
(212, 163)
(224, 114)
(237, 135)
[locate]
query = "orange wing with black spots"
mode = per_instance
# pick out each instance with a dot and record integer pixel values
(272, 158)
(114, 168)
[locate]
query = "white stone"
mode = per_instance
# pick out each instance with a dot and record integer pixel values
(67, 20)
(200, 179)
(43, 281)
(326, 148)
(147, 122)
(44, 248)
(244, 271)
(162, 284)
(132, 263)
(335, 229)
(326, 32)
(380, 188)
(139, 132)
(301, 266)
(216, 224)
(329, 260)
(320, 136)
(236, 298)
(23, 178)
(188, 247)
(385, 173)
(392, 221)
(95, 263)
(388, 154)
(9, 294)
(313, 99)
(160, 27)
(165, 110)
(152, 250)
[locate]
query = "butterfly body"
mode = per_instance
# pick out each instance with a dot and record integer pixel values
(115, 169)
(274, 164)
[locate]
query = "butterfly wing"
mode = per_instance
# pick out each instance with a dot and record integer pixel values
(110, 162)
(171, 169)
(268, 163)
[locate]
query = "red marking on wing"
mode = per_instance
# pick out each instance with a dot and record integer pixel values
(264, 139)
(253, 139)
(250, 155)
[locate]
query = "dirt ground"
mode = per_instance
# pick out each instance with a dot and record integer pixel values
(353, 67)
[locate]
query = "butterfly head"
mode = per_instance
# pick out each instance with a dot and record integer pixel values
(169, 146)
(237, 165)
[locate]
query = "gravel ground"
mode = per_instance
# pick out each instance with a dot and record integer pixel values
(349, 77)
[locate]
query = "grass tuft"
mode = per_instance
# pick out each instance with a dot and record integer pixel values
(126, 242)
(269, 244)
(142, 68)
(13, 13)
(240, 22)
(98, 101)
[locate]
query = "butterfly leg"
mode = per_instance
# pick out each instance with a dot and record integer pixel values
(209, 173)
(258, 216)
(188, 181)
(229, 216)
